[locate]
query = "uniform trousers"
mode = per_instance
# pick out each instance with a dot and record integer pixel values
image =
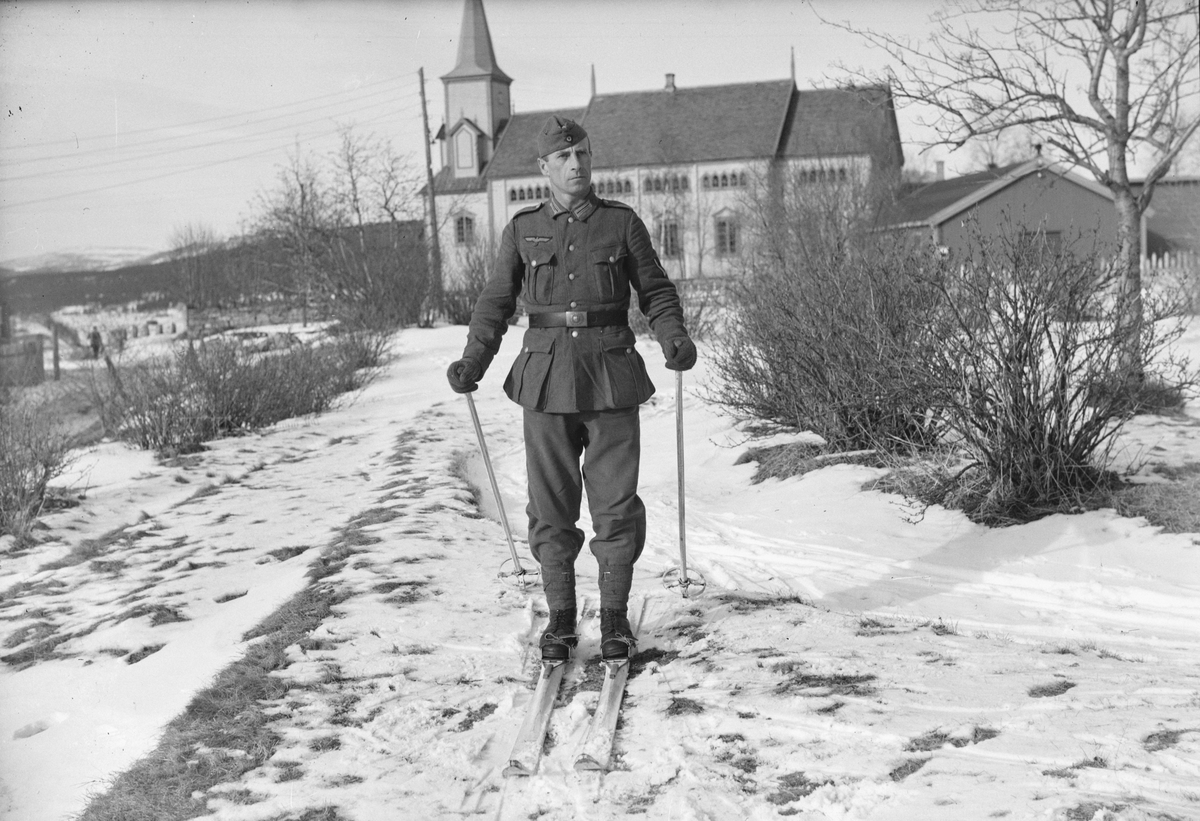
(609, 442)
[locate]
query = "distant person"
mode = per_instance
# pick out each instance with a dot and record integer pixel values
(97, 342)
(575, 259)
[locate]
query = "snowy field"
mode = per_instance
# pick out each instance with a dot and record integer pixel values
(845, 661)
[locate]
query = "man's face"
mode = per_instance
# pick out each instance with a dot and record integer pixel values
(569, 170)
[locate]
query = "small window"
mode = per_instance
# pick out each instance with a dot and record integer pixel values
(742, 179)
(658, 184)
(704, 182)
(683, 183)
(841, 174)
(628, 187)
(670, 239)
(647, 185)
(464, 230)
(512, 195)
(521, 194)
(727, 236)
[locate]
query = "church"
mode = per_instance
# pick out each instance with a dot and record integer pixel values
(684, 158)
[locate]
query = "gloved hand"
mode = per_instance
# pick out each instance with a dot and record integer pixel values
(464, 375)
(680, 353)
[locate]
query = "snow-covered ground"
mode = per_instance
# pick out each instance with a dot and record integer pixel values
(844, 661)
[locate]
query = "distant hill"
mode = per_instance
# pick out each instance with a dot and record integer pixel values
(89, 259)
(42, 291)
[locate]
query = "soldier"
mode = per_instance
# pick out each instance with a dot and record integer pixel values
(574, 260)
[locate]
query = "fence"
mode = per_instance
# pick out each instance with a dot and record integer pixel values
(21, 362)
(1178, 272)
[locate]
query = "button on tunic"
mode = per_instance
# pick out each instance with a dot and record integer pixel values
(590, 259)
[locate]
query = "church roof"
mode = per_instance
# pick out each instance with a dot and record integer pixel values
(739, 121)
(516, 153)
(476, 57)
(677, 125)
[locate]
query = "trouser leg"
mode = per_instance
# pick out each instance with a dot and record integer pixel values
(612, 458)
(553, 445)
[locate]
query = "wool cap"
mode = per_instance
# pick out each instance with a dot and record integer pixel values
(559, 133)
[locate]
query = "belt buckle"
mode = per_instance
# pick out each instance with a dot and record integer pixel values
(576, 319)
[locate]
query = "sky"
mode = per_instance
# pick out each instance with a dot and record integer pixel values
(1045, 670)
(127, 120)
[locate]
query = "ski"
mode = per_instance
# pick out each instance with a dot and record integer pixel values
(527, 749)
(596, 749)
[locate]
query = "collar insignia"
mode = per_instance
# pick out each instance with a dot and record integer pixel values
(538, 240)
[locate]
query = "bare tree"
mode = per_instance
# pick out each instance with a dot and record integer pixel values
(193, 247)
(1097, 80)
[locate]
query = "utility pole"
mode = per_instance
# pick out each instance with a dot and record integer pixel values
(435, 249)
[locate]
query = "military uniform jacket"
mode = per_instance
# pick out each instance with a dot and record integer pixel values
(591, 258)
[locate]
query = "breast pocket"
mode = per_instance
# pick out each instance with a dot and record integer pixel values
(608, 268)
(539, 276)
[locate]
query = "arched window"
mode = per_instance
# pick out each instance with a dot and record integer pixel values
(464, 230)
(683, 183)
(842, 174)
(512, 195)
(647, 185)
(742, 179)
(521, 194)
(724, 180)
(658, 183)
(628, 187)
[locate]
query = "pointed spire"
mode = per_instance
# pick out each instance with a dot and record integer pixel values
(593, 79)
(476, 58)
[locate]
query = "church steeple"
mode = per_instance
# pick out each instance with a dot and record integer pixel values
(477, 97)
(475, 55)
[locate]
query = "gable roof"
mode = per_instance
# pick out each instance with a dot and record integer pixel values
(476, 57)
(829, 122)
(939, 201)
(516, 153)
(739, 121)
(706, 124)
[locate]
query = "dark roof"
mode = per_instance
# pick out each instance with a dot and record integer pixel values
(516, 153)
(928, 200)
(714, 123)
(829, 122)
(444, 182)
(705, 124)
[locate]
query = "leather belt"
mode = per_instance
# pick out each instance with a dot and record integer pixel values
(578, 319)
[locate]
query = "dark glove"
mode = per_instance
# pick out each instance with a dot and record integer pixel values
(464, 375)
(680, 353)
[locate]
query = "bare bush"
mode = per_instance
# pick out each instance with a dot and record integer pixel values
(1032, 363)
(828, 328)
(33, 452)
(459, 298)
(175, 404)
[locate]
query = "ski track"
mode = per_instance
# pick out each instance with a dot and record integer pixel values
(810, 679)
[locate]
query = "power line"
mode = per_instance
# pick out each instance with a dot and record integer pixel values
(135, 132)
(154, 178)
(169, 151)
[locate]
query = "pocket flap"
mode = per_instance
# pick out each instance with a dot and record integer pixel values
(536, 259)
(619, 341)
(607, 255)
(538, 343)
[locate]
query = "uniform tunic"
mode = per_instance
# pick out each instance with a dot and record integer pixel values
(580, 387)
(586, 259)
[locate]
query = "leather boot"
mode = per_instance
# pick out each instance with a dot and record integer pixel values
(616, 636)
(559, 639)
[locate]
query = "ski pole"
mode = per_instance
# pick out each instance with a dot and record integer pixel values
(683, 574)
(518, 570)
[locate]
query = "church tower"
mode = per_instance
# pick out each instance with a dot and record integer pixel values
(477, 98)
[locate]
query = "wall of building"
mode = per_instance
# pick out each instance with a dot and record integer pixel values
(1083, 219)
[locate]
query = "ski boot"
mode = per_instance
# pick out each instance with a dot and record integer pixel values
(616, 636)
(559, 639)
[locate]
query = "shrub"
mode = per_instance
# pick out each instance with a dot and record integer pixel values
(1034, 368)
(828, 327)
(174, 405)
(33, 451)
